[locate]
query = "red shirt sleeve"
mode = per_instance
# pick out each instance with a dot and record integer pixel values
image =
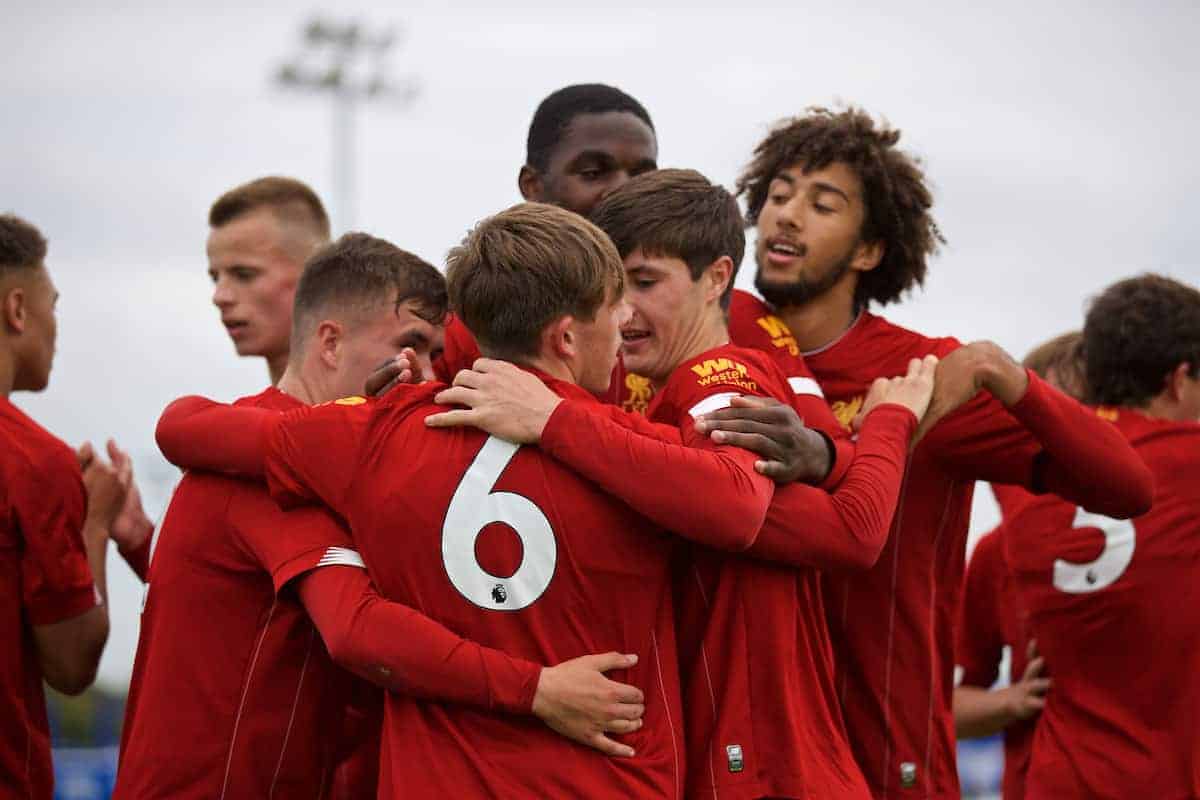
(312, 453)
(632, 465)
(980, 640)
(49, 504)
(198, 433)
(290, 543)
(1047, 442)
(752, 325)
(459, 350)
(848, 529)
(403, 650)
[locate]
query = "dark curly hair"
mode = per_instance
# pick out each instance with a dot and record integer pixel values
(894, 192)
(1136, 332)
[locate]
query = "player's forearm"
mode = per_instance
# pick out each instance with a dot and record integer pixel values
(95, 541)
(806, 526)
(69, 651)
(981, 712)
(138, 558)
(197, 433)
(401, 649)
(1086, 459)
(712, 498)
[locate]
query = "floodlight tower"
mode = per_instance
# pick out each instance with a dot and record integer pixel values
(349, 62)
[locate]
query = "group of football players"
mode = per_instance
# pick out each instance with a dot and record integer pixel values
(573, 517)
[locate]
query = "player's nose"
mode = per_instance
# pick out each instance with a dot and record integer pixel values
(222, 296)
(624, 313)
(791, 214)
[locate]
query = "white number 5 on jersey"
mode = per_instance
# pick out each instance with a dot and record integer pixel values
(474, 507)
(1119, 541)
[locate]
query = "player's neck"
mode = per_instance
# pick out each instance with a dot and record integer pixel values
(276, 366)
(294, 384)
(823, 319)
(8, 372)
(1163, 407)
(710, 333)
(553, 367)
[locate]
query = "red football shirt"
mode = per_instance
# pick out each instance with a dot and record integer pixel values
(1112, 604)
(893, 625)
(802, 526)
(762, 717)
(233, 692)
(992, 619)
(510, 549)
(752, 324)
(626, 390)
(44, 578)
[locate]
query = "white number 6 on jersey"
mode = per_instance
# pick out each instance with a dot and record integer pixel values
(1119, 540)
(475, 506)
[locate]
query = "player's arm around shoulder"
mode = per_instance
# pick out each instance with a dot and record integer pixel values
(706, 384)
(624, 457)
(197, 433)
(993, 419)
(311, 454)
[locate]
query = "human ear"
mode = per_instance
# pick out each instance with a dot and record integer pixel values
(12, 308)
(558, 341)
(529, 182)
(1177, 381)
(719, 275)
(867, 256)
(329, 338)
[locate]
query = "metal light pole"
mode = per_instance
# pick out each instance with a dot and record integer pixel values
(347, 61)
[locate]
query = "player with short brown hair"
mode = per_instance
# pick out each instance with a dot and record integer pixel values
(761, 717)
(521, 253)
(222, 548)
(1109, 600)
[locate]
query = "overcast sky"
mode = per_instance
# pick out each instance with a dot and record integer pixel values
(1059, 139)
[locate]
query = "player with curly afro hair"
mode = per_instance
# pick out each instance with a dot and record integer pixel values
(887, 198)
(844, 220)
